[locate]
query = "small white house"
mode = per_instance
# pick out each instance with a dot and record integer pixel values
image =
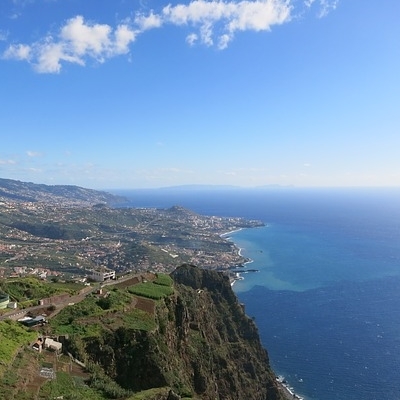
(102, 275)
(52, 345)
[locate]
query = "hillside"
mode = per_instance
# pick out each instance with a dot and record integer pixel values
(69, 230)
(12, 190)
(161, 339)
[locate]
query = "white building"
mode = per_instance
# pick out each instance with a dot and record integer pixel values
(103, 275)
(52, 345)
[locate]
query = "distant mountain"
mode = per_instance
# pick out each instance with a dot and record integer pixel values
(13, 190)
(199, 187)
(222, 187)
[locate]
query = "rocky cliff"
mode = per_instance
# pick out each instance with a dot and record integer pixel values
(203, 347)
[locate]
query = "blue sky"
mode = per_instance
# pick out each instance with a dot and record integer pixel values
(146, 93)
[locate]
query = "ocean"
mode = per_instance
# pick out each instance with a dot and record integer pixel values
(326, 294)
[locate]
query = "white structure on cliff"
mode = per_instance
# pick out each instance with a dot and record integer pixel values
(103, 274)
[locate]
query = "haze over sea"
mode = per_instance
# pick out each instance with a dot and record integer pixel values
(326, 298)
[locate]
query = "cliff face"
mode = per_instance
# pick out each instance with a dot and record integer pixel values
(205, 346)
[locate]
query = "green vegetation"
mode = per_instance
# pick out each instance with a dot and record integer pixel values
(12, 336)
(97, 313)
(104, 384)
(140, 320)
(116, 300)
(70, 319)
(32, 289)
(68, 387)
(153, 290)
(153, 394)
(164, 280)
(17, 374)
(197, 344)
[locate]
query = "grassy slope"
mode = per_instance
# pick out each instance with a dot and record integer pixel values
(19, 365)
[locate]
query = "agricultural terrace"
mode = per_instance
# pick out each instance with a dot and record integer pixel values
(161, 287)
(115, 306)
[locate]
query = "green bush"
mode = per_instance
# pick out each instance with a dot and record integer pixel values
(110, 389)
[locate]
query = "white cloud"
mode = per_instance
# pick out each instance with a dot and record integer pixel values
(191, 39)
(18, 52)
(79, 38)
(76, 42)
(213, 23)
(206, 33)
(148, 22)
(49, 56)
(123, 38)
(227, 17)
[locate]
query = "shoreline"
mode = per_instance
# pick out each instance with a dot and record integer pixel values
(236, 276)
(284, 387)
(286, 390)
(230, 232)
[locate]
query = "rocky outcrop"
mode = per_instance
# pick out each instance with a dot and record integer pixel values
(204, 347)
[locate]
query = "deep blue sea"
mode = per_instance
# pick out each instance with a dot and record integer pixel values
(326, 298)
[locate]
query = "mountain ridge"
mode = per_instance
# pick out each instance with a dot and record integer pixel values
(14, 190)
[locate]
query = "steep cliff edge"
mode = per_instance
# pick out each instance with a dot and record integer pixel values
(203, 346)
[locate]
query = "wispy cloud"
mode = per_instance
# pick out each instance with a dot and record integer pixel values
(327, 6)
(7, 162)
(3, 36)
(324, 6)
(32, 154)
(212, 23)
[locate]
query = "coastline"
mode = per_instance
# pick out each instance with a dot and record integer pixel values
(284, 387)
(235, 276)
(230, 232)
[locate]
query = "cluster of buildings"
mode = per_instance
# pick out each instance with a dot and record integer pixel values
(47, 343)
(39, 272)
